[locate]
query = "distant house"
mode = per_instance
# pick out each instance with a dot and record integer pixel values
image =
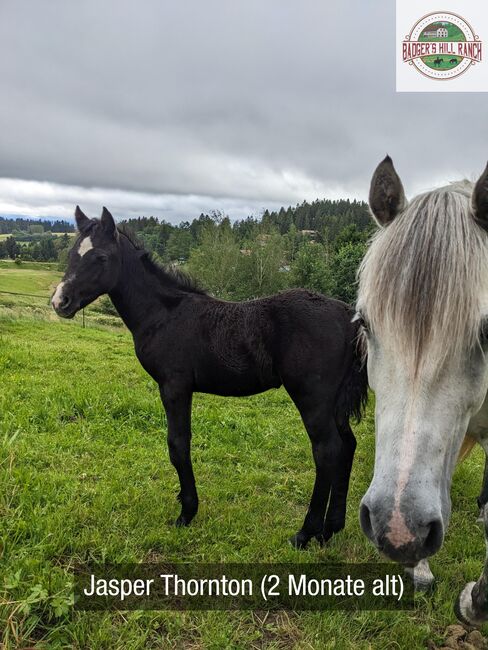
(435, 31)
(311, 235)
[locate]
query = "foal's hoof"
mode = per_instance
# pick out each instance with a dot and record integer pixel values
(299, 540)
(330, 529)
(183, 521)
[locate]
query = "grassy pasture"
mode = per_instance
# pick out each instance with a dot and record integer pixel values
(85, 476)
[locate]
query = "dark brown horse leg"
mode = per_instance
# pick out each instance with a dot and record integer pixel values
(178, 413)
(472, 603)
(326, 445)
(336, 510)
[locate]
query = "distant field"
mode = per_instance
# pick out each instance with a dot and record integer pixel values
(4, 236)
(31, 277)
(39, 279)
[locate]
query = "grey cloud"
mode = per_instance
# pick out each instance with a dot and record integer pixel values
(255, 102)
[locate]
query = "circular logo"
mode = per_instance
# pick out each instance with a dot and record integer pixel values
(442, 46)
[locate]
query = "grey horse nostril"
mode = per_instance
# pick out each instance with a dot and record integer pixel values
(434, 536)
(365, 521)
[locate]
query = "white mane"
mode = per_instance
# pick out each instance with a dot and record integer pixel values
(424, 277)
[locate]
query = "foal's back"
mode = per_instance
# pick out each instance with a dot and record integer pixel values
(242, 348)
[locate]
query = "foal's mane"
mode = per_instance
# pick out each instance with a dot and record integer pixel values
(167, 275)
(423, 277)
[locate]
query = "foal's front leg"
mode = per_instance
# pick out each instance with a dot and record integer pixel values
(177, 405)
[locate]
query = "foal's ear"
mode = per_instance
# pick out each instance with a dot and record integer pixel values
(480, 200)
(386, 195)
(82, 221)
(108, 223)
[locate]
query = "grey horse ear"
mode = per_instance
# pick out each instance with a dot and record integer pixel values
(386, 195)
(108, 222)
(480, 200)
(82, 221)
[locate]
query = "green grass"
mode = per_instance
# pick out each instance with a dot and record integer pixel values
(85, 475)
(22, 279)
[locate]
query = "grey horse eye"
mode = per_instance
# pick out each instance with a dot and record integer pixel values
(484, 331)
(361, 320)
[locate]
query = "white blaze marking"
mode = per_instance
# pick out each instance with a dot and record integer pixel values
(58, 295)
(399, 534)
(85, 246)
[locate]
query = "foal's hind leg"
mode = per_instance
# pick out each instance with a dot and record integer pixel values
(326, 446)
(336, 510)
(178, 412)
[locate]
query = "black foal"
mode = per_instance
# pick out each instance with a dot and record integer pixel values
(190, 342)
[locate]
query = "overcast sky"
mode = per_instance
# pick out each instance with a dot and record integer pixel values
(172, 108)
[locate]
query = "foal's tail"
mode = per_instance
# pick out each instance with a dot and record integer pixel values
(353, 391)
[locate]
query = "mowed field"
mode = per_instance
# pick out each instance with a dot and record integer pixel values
(86, 477)
(35, 278)
(26, 289)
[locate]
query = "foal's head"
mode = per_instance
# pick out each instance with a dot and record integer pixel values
(423, 302)
(93, 264)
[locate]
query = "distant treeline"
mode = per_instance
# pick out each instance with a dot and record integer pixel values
(314, 245)
(21, 224)
(325, 217)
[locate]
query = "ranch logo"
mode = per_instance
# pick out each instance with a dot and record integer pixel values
(442, 46)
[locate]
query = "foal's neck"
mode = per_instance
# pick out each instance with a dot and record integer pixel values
(137, 296)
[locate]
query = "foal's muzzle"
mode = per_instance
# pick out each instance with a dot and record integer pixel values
(64, 307)
(422, 536)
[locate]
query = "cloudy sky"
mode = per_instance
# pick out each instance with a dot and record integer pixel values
(172, 108)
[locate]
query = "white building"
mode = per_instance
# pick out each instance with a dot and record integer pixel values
(439, 32)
